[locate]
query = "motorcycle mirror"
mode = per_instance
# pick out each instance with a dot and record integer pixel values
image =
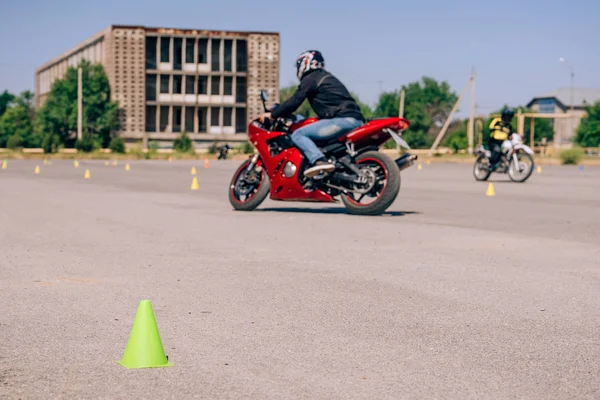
(263, 95)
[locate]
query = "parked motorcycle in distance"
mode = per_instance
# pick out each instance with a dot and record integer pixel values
(277, 168)
(516, 159)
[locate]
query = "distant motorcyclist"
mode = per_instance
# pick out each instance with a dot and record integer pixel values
(500, 130)
(337, 110)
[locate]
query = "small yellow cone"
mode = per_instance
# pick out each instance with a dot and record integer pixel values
(490, 191)
(4, 164)
(193, 171)
(194, 184)
(419, 167)
(539, 169)
(76, 164)
(206, 163)
(87, 174)
(106, 163)
(127, 167)
(37, 169)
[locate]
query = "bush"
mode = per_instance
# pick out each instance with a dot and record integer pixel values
(246, 148)
(88, 143)
(572, 156)
(418, 140)
(457, 141)
(183, 144)
(117, 145)
(51, 143)
(14, 142)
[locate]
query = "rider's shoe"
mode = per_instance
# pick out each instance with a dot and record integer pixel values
(319, 167)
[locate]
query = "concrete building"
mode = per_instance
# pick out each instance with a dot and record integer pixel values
(565, 101)
(169, 80)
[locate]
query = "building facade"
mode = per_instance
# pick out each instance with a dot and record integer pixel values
(566, 101)
(206, 83)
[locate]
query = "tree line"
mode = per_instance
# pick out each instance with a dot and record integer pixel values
(428, 104)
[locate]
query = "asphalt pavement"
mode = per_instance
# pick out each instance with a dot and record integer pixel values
(449, 295)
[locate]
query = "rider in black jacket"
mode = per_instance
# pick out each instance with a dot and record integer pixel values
(337, 110)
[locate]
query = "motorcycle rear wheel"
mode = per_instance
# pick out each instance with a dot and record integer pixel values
(386, 188)
(241, 185)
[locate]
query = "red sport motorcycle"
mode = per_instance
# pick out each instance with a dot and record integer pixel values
(362, 172)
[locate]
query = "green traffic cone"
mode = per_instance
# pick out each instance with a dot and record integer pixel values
(144, 348)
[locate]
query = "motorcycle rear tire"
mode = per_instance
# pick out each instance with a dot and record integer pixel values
(390, 192)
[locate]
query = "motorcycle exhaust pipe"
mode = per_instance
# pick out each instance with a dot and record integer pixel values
(406, 161)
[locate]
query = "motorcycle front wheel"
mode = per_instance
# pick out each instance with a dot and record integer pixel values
(525, 170)
(248, 189)
(481, 169)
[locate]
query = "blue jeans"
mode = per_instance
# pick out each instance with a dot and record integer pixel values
(325, 129)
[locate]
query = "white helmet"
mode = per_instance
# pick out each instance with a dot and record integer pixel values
(309, 60)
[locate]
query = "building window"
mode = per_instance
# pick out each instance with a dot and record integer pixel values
(227, 113)
(189, 51)
(240, 89)
(190, 82)
(241, 56)
(240, 120)
(177, 83)
(215, 85)
(227, 54)
(202, 51)
(189, 119)
(150, 52)
(177, 53)
(227, 85)
(547, 106)
(176, 119)
(165, 49)
(164, 83)
(150, 118)
(203, 85)
(151, 87)
(202, 119)
(215, 54)
(164, 118)
(214, 116)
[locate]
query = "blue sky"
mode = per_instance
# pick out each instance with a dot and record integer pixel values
(513, 45)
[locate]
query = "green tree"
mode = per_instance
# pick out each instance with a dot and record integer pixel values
(588, 133)
(57, 118)
(16, 124)
(427, 106)
(6, 99)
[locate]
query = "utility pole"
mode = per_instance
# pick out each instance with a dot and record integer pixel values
(440, 135)
(79, 104)
(402, 94)
(472, 113)
(401, 112)
(572, 99)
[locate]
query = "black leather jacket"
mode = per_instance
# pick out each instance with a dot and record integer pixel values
(326, 95)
